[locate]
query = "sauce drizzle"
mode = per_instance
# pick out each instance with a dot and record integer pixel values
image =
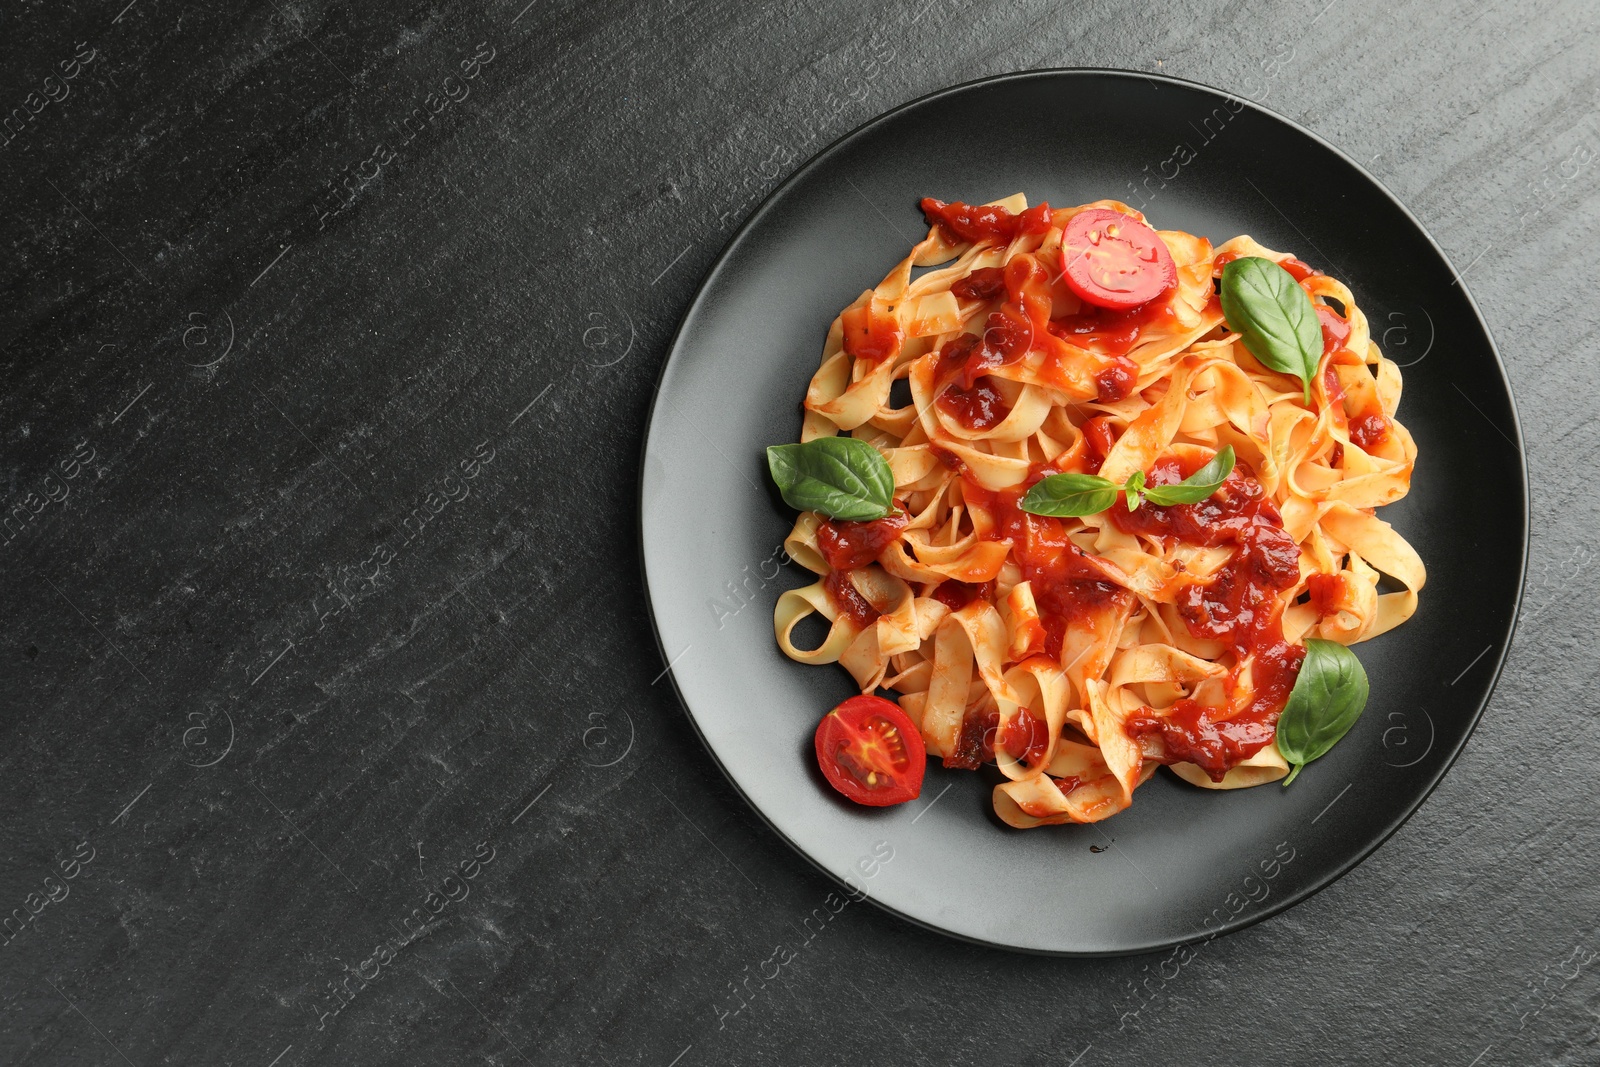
(1237, 606)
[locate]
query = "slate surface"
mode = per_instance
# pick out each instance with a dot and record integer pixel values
(328, 336)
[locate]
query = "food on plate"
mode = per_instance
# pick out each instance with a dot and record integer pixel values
(870, 750)
(1089, 498)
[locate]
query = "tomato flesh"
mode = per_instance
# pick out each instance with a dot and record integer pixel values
(1114, 261)
(870, 751)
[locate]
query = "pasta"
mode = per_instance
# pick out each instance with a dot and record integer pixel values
(1082, 653)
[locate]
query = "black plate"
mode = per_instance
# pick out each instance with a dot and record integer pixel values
(1181, 863)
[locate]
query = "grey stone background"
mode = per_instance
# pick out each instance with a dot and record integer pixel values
(328, 334)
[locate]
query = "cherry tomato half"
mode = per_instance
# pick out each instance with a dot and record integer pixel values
(1112, 260)
(871, 752)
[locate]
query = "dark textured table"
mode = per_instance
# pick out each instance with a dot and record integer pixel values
(334, 727)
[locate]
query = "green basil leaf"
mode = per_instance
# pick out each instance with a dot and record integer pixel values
(1132, 488)
(1199, 485)
(1070, 496)
(839, 477)
(1264, 304)
(1326, 701)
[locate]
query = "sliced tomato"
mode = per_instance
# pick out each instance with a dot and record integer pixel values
(871, 752)
(1112, 260)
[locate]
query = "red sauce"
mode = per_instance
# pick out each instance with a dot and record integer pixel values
(851, 604)
(1067, 784)
(1237, 606)
(1101, 438)
(1369, 430)
(1026, 736)
(1117, 380)
(1006, 339)
(985, 283)
(1068, 584)
(1301, 271)
(980, 408)
(1336, 457)
(967, 222)
(953, 356)
(1335, 330)
(975, 742)
(1330, 382)
(1068, 587)
(1022, 323)
(1191, 735)
(957, 595)
(869, 337)
(1326, 591)
(848, 545)
(1111, 333)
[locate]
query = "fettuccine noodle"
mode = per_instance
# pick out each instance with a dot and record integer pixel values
(1083, 653)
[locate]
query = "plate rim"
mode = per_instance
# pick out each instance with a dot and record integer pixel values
(816, 161)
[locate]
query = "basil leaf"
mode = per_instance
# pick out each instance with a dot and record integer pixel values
(839, 477)
(1070, 495)
(1132, 488)
(1199, 485)
(1326, 701)
(1264, 304)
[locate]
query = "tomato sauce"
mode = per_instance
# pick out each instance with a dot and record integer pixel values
(1300, 270)
(1068, 584)
(870, 337)
(953, 356)
(957, 595)
(1111, 333)
(975, 742)
(985, 283)
(1369, 430)
(848, 545)
(1100, 438)
(1335, 330)
(1330, 384)
(1026, 736)
(1116, 381)
(968, 222)
(976, 402)
(1021, 324)
(850, 603)
(1237, 606)
(1326, 591)
(1006, 340)
(978, 409)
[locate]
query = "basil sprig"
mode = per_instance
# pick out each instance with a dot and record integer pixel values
(1074, 495)
(1325, 703)
(1264, 304)
(1064, 495)
(1199, 485)
(840, 477)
